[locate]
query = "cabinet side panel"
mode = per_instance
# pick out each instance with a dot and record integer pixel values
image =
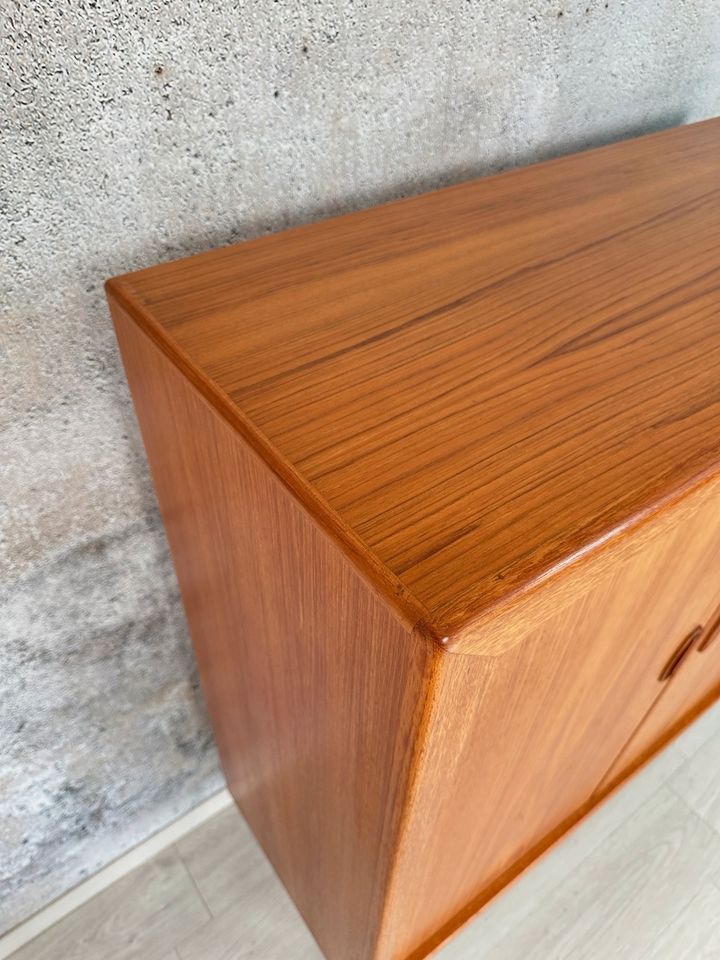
(313, 687)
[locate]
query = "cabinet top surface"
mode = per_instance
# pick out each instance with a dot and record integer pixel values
(478, 384)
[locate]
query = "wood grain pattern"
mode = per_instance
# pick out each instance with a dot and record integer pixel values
(472, 387)
(694, 686)
(710, 632)
(694, 934)
(477, 762)
(136, 917)
(253, 917)
(516, 745)
(314, 689)
(625, 893)
(697, 781)
(441, 485)
(225, 862)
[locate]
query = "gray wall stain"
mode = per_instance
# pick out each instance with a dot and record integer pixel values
(142, 131)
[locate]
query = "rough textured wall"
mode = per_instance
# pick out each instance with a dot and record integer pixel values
(139, 131)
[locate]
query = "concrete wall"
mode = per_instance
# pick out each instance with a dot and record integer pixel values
(139, 131)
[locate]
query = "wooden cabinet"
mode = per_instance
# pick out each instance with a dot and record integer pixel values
(692, 686)
(441, 481)
(541, 727)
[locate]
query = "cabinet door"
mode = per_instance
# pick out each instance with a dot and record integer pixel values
(517, 744)
(693, 686)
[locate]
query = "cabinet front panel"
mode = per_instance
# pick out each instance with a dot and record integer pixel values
(518, 744)
(692, 688)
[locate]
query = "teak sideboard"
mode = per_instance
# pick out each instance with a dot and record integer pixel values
(441, 481)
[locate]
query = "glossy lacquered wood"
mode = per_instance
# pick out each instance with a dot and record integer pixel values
(472, 386)
(441, 482)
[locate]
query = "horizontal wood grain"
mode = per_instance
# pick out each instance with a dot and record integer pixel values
(473, 388)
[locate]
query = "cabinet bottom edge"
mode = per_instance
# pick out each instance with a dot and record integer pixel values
(513, 873)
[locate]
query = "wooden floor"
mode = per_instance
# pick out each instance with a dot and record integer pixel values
(640, 879)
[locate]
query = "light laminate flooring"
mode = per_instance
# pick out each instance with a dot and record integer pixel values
(639, 879)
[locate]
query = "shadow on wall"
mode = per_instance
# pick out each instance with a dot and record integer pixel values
(663, 121)
(296, 216)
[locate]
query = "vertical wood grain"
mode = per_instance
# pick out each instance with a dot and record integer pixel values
(314, 687)
(516, 745)
(692, 689)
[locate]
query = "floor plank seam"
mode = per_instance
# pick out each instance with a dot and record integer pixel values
(696, 813)
(211, 914)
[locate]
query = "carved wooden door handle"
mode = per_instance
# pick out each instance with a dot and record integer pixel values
(712, 631)
(682, 651)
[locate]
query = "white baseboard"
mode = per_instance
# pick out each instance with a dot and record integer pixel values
(57, 909)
